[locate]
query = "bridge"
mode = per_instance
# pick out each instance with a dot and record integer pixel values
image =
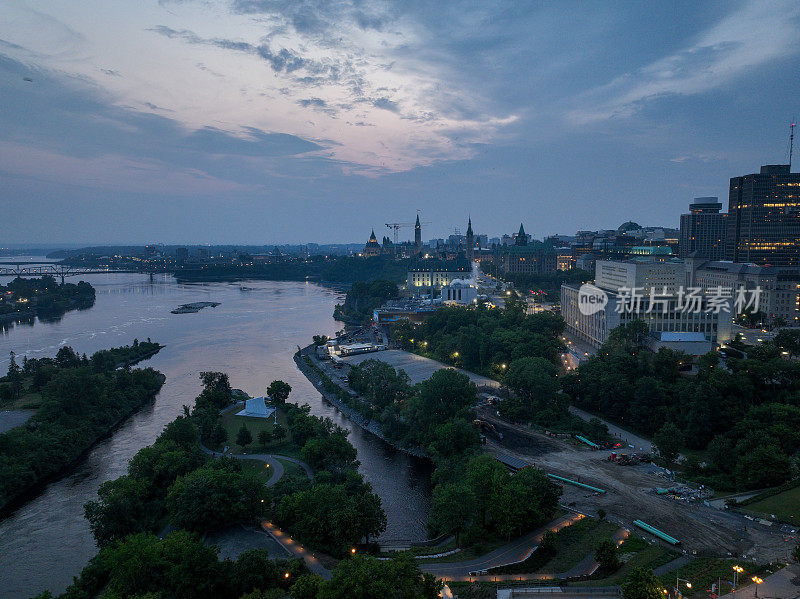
(56, 269)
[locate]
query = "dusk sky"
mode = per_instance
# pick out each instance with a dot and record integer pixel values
(261, 121)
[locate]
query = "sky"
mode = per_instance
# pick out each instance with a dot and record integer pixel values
(291, 121)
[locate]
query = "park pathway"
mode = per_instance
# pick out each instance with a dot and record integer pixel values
(513, 552)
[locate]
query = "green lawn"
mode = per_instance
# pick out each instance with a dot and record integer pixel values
(785, 506)
(232, 423)
(575, 542)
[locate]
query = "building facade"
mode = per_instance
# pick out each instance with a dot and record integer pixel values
(372, 247)
(663, 313)
(703, 230)
(764, 218)
(779, 296)
(428, 276)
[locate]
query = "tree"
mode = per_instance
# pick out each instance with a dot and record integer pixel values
(278, 432)
(606, 554)
(278, 392)
(760, 465)
(320, 339)
(668, 442)
(601, 514)
(180, 566)
(264, 437)
(533, 381)
(308, 586)
(452, 509)
(789, 340)
(123, 507)
(641, 583)
(213, 497)
(364, 577)
(796, 553)
(333, 453)
(244, 437)
(217, 389)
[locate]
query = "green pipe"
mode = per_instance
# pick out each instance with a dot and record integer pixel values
(585, 440)
(576, 483)
(656, 532)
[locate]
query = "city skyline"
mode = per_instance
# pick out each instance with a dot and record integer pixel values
(260, 122)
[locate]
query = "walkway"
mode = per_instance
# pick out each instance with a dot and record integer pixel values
(295, 549)
(639, 443)
(514, 551)
(272, 460)
(783, 584)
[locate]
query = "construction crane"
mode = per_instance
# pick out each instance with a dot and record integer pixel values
(397, 226)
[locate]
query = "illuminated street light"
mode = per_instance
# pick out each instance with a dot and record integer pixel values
(677, 585)
(286, 575)
(758, 581)
(737, 569)
(353, 551)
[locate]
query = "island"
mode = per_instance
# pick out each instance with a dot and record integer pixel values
(78, 400)
(42, 297)
(194, 307)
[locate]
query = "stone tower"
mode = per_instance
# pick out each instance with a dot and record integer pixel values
(470, 241)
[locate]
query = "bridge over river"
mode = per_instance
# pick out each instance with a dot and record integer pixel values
(57, 269)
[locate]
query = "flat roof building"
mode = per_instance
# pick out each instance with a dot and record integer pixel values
(763, 224)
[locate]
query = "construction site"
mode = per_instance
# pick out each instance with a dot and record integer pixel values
(632, 491)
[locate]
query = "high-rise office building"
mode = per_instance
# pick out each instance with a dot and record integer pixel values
(703, 230)
(764, 218)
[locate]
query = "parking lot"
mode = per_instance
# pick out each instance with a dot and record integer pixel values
(417, 367)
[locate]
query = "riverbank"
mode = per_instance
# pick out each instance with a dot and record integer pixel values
(33, 490)
(348, 411)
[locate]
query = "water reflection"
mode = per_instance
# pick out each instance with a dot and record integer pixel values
(251, 336)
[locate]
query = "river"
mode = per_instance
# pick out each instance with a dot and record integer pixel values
(251, 335)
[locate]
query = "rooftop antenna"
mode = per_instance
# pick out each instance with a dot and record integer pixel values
(791, 144)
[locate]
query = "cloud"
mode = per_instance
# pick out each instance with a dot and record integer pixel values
(754, 35)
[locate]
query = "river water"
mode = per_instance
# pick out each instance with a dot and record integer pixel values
(251, 336)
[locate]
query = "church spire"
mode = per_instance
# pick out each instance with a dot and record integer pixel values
(522, 238)
(469, 226)
(372, 237)
(418, 235)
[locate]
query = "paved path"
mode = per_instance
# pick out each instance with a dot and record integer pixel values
(514, 551)
(640, 443)
(272, 460)
(673, 565)
(784, 584)
(295, 549)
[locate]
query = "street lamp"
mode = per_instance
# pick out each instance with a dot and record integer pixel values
(353, 551)
(736, 571)
(677, 584)
(758, 581)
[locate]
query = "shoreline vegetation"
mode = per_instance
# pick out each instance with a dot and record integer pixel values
(173, 486)
(335, 395)
(80, 400)
(25, 299)
(321, 269)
